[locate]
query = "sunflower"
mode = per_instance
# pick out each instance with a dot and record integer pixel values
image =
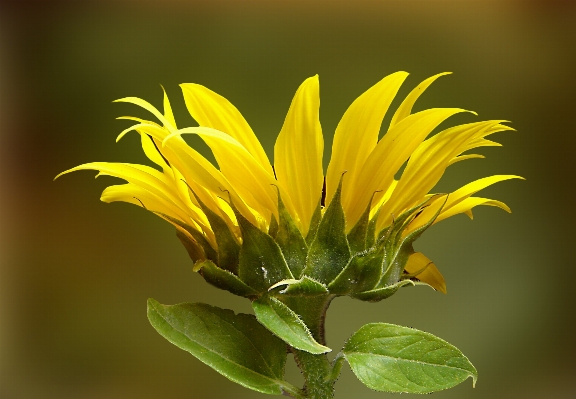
(252, 227)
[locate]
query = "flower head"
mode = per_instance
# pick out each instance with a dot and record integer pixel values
(252, 227)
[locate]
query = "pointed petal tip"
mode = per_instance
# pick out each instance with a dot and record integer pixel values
(315, 80)
(69, 171)
(188, 86)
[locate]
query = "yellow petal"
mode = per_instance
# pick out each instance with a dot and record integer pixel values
(168, 114)
(140, 120)
(481, 143)
(473, 187)
(430, 275)
(376, 207)
(207, 181)
(298, 153)
(210, 109)
(465, 206)
(241, 169)
(427, 165)
(457, 197)
(137, 195)
(358, 130)
(148, 107)
(406, 107)
(390, 153)
(153, 153)
(140, 175)
(465, 157)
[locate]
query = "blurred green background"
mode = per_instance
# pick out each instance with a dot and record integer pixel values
(75, 273)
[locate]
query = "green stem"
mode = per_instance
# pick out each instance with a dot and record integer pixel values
(316, 369)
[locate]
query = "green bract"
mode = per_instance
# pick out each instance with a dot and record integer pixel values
(369, 269)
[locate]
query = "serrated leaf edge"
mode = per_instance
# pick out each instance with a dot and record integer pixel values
(299, 321)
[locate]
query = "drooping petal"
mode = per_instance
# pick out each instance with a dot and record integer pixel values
(210, 109)
(387, 157)
(429, 273)
(357, 132)
(298, 153)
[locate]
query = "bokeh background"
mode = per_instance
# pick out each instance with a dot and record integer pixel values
(75, 273)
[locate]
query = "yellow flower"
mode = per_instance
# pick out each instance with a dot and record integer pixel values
(190, 192)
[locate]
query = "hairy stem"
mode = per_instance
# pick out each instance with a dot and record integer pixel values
(316, 369)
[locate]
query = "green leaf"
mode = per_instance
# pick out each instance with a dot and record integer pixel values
(362, 273)
(329, 252)
(235, 345)
(261, 261)
(378, 294)
(228, 247)
(303, 287)
(225, 280)
(391, 358)
(291, 241)
(284, 323)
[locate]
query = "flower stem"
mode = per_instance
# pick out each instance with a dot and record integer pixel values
(316, 369)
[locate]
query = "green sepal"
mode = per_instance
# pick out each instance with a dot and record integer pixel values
(378, 294)
(273, 228)
(303, 287)
(235, 345)
(362, 272)
(228, 247)
(195, 251)
(371, 230)
(290, 240)
(314, 223)
(391, 358)
(209, 252)
(357, 237)
(286, 324)
(401, 222)
(398, 248)
(223, 279)
(261, 261)
(329, 252)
